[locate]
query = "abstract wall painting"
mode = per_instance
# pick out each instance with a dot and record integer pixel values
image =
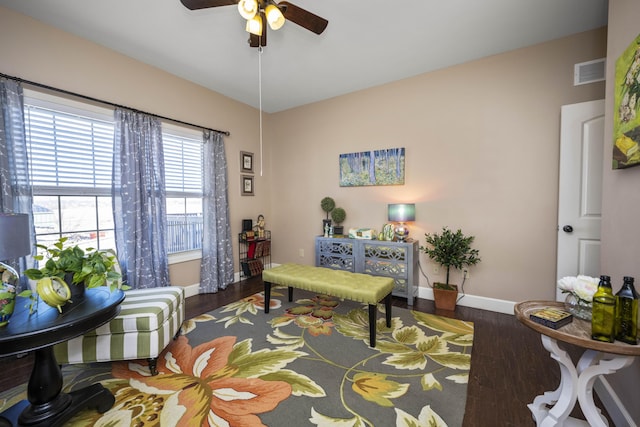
(375, 167)
(626, 119)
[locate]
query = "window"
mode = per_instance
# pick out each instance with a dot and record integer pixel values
(183, 181)
(70, 148)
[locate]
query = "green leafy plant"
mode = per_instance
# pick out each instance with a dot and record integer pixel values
(338, 215)
(91, 266)
(327, 204)
(450, 249)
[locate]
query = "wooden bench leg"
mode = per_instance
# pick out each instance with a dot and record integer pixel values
(387, 309)
(372, 318)
(372, 324)
(290, 293)
(267, 296)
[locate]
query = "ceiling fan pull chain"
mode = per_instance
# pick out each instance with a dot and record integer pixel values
(260, 99)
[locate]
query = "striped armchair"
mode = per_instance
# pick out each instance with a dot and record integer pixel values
(148, 320)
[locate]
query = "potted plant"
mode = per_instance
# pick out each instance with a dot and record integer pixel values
(76, 267)
(338, 216)
(327, 204)
(449, 249)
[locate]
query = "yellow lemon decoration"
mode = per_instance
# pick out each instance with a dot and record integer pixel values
(53, 291)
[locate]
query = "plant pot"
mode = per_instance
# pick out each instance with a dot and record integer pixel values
(7, 302)
(77, 289)
(445, 299)
(338, 230)
(8, 280)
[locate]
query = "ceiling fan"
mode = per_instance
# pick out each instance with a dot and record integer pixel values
(260, 12)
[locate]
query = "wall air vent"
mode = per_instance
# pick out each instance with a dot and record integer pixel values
(589, 72)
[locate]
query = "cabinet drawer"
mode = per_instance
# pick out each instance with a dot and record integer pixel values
(386, 260)
(335, 254)
(385, 268)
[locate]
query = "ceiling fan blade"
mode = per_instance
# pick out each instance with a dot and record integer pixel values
(302, 17)
(204, 4)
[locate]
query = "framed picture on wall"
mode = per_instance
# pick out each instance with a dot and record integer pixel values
(374, 167)
(246, 162)
(246, 185)
(626, 117)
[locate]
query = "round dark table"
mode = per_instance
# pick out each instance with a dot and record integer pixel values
(39, 332)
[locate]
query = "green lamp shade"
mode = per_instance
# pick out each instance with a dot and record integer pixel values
(402, 212)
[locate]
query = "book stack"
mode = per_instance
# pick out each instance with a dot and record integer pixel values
(252, 267)
(553, 318)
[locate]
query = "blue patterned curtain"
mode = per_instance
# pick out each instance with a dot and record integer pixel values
(216, 268)
(139, 200)
(16, 195)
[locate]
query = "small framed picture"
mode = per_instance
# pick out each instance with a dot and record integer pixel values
(246, 185)
(246, 162)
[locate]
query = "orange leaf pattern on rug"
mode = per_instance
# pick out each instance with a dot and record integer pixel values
(198, 384)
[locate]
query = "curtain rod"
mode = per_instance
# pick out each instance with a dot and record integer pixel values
(66, 92)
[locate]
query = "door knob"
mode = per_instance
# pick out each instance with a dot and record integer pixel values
(567, 229)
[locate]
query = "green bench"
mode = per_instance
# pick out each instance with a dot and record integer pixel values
(357, 287)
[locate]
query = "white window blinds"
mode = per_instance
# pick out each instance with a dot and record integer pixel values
(183, 165)
(68, 153)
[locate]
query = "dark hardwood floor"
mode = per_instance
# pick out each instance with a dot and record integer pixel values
(509, 366)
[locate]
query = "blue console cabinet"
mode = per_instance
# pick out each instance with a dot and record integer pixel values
(398, 260)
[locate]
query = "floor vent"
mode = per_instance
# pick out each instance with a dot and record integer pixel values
(589, 72)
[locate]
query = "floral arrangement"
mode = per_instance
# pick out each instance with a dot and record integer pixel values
(582, 287)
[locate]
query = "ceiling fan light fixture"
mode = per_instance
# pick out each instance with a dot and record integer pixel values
(254, 25)
(248, 8)
(275, 18)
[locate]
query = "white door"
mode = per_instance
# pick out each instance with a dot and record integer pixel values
(580, 191)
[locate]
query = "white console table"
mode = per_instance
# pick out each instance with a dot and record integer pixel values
(398, 260)
(576, 381)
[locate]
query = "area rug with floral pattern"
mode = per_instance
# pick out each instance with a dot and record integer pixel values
(307, 362)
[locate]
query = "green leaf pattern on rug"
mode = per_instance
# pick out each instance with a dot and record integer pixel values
(190, 324)
(249, 305)
(236, 382)
(410, 347)
(427, 418)
(377, 388)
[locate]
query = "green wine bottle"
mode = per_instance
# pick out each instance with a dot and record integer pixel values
(627, 313)
(603, 319)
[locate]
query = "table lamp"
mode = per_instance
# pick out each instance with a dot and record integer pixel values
(15, 242)
(401, 213)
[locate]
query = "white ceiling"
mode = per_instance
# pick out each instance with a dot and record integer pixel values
(367, 42)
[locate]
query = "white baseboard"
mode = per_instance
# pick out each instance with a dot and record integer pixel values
(191, 290)
(473, 301)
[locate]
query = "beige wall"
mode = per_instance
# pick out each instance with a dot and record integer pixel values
(37, 52)
(621, 194)
(481, 141)
(482, 148)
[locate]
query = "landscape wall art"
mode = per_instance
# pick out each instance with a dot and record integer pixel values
(375, 167)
